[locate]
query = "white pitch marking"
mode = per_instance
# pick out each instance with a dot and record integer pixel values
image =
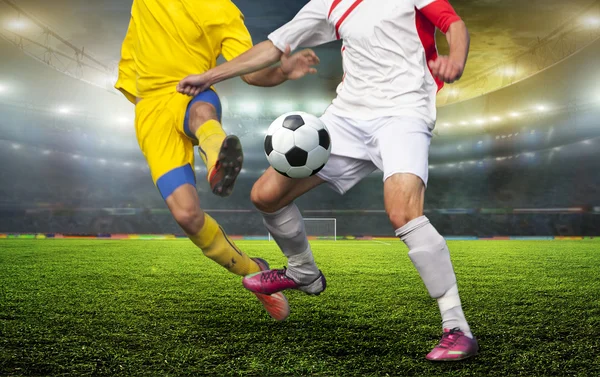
(385, 243)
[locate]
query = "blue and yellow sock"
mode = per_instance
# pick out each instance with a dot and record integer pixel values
(215, 244)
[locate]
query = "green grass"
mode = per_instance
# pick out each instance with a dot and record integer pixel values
(145, 308)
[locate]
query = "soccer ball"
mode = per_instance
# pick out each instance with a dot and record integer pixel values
(297, 144)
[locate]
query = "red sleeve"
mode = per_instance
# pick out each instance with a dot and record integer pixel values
(441, 14)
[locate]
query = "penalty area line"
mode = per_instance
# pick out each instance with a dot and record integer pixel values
(385, 243)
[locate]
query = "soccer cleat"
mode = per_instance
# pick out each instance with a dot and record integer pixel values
(228, 166)
(454, 346)
(269, 282)
(275, 304)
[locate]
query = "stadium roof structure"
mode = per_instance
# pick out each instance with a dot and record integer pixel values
(559, 104)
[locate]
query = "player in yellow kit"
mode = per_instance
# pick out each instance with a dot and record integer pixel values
(166, 41)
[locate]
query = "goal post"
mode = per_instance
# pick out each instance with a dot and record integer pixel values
(321, 227)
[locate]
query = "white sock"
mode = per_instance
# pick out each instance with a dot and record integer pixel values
(452, 313)
(430, 256)
(287, 229)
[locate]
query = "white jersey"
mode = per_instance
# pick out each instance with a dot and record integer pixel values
(386, 48)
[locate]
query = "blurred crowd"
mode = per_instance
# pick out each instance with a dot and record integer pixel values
(57, 193)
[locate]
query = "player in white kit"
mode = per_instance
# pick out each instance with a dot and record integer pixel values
(382, 118)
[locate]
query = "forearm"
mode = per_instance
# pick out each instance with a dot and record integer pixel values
(256, 59)
(266, 77)
(458, 40)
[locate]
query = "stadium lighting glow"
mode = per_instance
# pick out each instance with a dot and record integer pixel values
(514, 114)
(480, 122)
(127, 164)
(587, 142)
(557, 149)
(446, 124)
(75, 157)
(496, 119)
(591, 21)
(249, 107)
(197, 168)
(243, 171)
(102, 161)
(46, 152)
(16, 24)
(541, 108)
(453, 92)
(16, 146)
(463, 123)
(480, 142)
(2, 88)
(64, 110)
(431, 167)
(509, 71)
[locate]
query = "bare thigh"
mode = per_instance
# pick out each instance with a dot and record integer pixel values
(274, 191)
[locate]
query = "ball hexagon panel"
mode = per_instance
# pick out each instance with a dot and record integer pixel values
(283, 140)
(268, 144)
(293, 122)
(278, 162)
(324, 139)
(296, 157)
(317, 158)
(299, 172)
(314, 122)
(306, 138)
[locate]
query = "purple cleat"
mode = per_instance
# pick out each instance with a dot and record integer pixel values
(269, 282)
(275, 304)
(454, 346)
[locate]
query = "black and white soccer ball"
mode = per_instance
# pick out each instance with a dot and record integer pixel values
(297, 144)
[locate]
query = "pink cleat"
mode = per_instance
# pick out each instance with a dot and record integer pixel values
(275, 304)
(454, 346)
(270, 282)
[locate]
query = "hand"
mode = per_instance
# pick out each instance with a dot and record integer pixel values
(194, 84)
(446, 69)
(298, 65)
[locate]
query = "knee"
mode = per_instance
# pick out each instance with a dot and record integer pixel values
(400, 216)
(200, 113)
(190, 219)
(264, 199)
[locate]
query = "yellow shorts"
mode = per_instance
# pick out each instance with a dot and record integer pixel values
(159, 123)
(163, 133)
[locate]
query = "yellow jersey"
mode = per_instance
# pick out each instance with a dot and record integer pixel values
(170, 39)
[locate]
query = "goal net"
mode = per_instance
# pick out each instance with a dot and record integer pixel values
(320, 227)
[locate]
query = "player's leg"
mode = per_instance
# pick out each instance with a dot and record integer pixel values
(170, 156)
(405, 169)
(273, 195)
(221, 154)
(204, 231)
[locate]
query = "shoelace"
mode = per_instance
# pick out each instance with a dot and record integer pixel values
(449, 338)
(274, 275)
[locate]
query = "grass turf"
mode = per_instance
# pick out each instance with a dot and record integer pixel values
(142, 308)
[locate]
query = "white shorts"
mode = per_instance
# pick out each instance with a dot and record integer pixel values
(391, 144)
